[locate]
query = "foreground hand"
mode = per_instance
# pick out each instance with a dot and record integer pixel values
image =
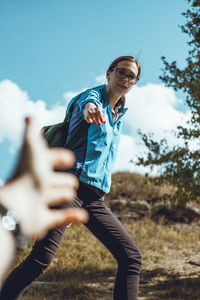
(93, 113)
(35, 185)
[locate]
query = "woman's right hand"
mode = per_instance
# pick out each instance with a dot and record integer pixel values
(93, 113)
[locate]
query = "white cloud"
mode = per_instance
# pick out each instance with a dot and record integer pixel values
(1, 182)
(15, 105)
(126, 152)
(71, 94)
(151, 108)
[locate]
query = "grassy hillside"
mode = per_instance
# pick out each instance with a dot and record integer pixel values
(136, 187)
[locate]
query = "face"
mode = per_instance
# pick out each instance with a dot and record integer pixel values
(122, 86)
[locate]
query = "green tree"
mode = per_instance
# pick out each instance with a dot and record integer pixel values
(180, 165)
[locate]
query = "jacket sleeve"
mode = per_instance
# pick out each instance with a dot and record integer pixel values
(89, 96)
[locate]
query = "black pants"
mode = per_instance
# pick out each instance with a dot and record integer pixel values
(106, 227)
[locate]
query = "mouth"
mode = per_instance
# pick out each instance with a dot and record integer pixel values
(122, 87)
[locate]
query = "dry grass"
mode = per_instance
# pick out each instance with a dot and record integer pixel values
(84, 270)
(136, 187)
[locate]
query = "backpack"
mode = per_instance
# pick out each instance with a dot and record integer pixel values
(56, 134)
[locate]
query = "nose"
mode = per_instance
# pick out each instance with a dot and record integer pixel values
(125, 81)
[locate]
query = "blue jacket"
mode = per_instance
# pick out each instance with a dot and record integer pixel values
(95, 149)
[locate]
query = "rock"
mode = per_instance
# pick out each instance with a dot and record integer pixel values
(124, 208)
(193, 209)
(119, 204)
(140, 207)
(129, 209)
(131, 215)
(185, 215)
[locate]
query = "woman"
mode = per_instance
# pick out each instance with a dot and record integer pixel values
(99, 111)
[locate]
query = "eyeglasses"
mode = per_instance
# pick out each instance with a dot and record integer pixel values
(121, 74)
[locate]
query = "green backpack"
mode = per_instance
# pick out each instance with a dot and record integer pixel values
(56, 134)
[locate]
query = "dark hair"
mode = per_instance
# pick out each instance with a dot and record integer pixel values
(121, 58)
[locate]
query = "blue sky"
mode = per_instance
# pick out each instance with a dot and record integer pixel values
(49, 48)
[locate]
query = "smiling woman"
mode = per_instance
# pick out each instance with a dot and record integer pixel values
(100, 111)
(124, 67)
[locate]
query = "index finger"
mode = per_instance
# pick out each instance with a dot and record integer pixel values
(101, 117)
